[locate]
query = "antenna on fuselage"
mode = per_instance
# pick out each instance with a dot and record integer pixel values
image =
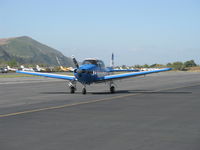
(112, 61)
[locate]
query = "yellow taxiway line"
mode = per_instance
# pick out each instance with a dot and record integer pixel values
(86, 102)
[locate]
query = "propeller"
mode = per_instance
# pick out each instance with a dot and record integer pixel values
(75, 62)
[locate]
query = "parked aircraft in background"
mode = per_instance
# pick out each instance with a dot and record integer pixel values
(11, 69)
(26, 69)
(71, 69)
(39, 69)
(92, 71)
(3, 70)
(125, 70)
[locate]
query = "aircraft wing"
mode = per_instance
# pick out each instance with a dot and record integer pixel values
(133, 74)
(124, 70)
(50, 75)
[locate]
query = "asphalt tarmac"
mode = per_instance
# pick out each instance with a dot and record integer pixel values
(159, 111)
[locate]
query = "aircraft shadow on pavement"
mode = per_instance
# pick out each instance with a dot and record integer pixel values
(121, 92)
(59, 93)
(142, 92)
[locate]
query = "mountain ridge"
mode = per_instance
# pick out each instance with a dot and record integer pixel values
(25, 50)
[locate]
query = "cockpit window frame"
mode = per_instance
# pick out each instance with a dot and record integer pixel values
(101, 64)
(98, 63)
(94, 62)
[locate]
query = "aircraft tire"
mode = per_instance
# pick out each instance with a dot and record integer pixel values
(84, 91)
(72, 90)
(112, 89)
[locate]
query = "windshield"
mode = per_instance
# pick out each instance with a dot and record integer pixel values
(98, 63)
(89, 62)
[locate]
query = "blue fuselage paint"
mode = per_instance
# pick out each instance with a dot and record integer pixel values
(89, 73)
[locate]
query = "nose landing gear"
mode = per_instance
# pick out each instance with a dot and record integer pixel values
(84, 89)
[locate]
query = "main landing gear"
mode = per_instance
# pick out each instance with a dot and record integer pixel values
(72, 86)
(72, 90)
(112, 87)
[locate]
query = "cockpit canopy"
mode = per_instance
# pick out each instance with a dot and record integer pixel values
(96, 62)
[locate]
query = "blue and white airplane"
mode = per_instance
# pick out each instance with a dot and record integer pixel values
(92, 71)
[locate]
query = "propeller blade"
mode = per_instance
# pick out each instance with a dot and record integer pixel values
(75, 62)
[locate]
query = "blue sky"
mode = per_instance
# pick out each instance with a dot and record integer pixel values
(137, 31)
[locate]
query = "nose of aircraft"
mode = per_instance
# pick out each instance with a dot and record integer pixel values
(80, 71)
(84, 73)
(88, 68)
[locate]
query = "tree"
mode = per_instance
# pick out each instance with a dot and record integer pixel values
(153, 65)
(190, 63)
(12, 63)
(146, 66)
(137, 66)
(178, 65)
(124, 66)
(169, 65)
(156, 65)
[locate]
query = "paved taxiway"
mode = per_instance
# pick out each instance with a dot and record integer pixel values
(160, 111)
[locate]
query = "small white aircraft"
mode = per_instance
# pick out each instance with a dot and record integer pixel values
(92, 71)
(39, 69)
(26, 69)
(11, 69)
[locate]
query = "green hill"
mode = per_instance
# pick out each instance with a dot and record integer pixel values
(25, 50)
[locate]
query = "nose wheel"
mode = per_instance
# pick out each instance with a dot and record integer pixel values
(84, 91)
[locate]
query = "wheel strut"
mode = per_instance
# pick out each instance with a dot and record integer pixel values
(72, 86)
